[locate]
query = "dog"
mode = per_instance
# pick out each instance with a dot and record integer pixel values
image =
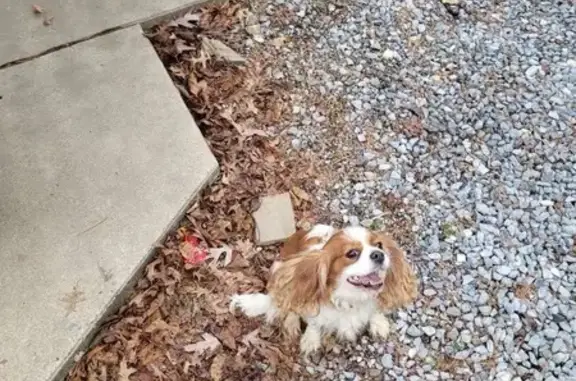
(338, 281)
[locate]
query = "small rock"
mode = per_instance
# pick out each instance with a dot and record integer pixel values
(504, 376)
(274, 219)
(453, 311)
(413, 331)
(533, 70)
(387, 361)
(391, 54)
(357, 103)
(559, 346)
(535, 342)
(349, 375)
(429, 331)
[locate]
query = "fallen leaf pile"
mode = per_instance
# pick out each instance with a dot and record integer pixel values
(237, 104)
(176, 325)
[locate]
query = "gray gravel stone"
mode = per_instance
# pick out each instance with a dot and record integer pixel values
(387, 361)
(414, 331)
(487, 168)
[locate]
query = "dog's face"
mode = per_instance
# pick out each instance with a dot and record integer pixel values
(358, 260)
(354, 264)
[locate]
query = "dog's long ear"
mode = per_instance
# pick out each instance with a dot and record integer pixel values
(300, 283)
(400, 285)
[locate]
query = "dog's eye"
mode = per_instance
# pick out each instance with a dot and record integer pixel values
(379, 245)
(352, 254)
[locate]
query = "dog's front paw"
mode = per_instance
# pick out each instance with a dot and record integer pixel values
(292, 325)
(379, 326)
(251, 305)
(311, 341)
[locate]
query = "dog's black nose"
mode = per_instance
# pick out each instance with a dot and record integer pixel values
(377, 256)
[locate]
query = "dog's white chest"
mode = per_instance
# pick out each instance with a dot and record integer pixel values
(343, 317)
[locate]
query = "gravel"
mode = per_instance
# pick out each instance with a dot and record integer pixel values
(470, 122)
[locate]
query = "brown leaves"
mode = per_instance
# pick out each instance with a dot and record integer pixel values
(124, 372)
(217, 367)
(176, 324)
(208, 344)
(449, 364)
(524, 291)
(412, 127)
(235, 107)
(188, 20)
(220, 50)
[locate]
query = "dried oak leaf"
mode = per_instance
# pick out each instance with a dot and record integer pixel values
(189, 20)
(220, 50)
(301, 194)
(238, 262)
(246, 247)
(266, 349)
(124, 371)
(217, 367)
(160, 324)
(209, 344)
(227, 338)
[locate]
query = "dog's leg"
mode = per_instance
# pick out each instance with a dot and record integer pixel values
(254, 305)
(348, 335)
(379, 326)
(292, 325)
(311, 341)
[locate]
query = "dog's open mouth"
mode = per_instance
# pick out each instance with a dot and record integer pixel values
(372, 280)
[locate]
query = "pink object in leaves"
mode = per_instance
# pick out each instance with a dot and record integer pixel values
(191, 251)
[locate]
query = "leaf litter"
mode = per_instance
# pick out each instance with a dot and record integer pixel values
(176, 325)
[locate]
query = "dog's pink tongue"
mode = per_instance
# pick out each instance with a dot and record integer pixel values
(372, 278)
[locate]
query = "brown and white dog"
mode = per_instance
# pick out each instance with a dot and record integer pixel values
(338, 281)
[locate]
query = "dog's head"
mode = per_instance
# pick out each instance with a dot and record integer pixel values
(353, 265)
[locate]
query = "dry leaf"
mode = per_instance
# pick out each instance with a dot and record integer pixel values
(239, 262)
(209, 343)
(252, 339)
(160, 324)
(217, 367)
(124, 371)
(48, 21)
(221, 50)
(243, 130)
(228, 338)
(182, 47)
(189, 20)
(301, 194)
(202, 59)
(245, 247)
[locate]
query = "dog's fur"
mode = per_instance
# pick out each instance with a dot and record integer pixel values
(337, 282)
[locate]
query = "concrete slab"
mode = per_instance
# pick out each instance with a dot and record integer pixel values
(98, 156)
(24, 33)
(274, 219)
